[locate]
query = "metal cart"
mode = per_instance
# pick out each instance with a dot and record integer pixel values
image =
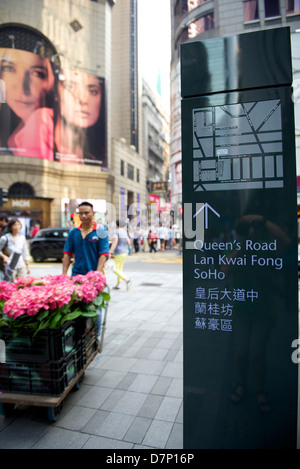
(53, 404)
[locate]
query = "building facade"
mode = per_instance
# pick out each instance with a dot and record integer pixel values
(203, 19)
(67, 114)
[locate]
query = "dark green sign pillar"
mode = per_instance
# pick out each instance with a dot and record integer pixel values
(240, 242)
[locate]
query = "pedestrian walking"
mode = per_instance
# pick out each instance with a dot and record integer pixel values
(3, 225)
(136, 240)
(14, 242)
(162, 236)
(171, 237)
(152, 240)
(145, 239)
(119, 248)
(87, 242)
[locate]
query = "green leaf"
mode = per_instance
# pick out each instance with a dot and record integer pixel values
(70, 316)
(89, 314)
(55, 320)
(106, 296)
(42, 315)
(43, 325)
(98, 301)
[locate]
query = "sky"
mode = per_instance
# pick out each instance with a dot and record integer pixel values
(154, 44)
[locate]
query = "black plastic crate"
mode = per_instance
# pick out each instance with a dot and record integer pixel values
(89, 340)
(47, 345)
(44, 378)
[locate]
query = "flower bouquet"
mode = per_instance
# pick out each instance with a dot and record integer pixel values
(48, 302)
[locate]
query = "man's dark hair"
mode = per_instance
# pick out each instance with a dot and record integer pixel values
(120, 223)
(86, 203)
(4, 218)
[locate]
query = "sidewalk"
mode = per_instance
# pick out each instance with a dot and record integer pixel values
(131, 396)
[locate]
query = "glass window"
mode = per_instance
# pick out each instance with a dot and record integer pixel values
(47, 234)
(292, 6)
(122, 168)
(272, 8)
(130, 171)
(191, 4)
(137, 175)
(200, 25)
(251, 10)
(180, 9)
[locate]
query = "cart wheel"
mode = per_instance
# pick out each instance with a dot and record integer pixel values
(6, 409)
(54, 412)
(78, 383)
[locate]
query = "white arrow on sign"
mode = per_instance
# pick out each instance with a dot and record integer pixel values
(206, 206)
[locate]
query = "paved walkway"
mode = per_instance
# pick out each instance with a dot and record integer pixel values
(131, 396)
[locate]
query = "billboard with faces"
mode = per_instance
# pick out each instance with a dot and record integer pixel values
(51, 113)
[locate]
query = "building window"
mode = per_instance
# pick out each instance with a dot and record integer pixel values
(292, 6)
(130, 171)
(272, 8)
(122, 172)
(191, 4)
(200, 25)
(21, 189)
(251, 10)
(137, 175)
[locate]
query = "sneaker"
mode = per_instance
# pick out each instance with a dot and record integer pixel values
(116, 288)
(129, 283)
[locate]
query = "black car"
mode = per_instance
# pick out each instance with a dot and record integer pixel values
(48, 243)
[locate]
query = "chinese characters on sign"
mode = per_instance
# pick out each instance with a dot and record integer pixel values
(214, 316)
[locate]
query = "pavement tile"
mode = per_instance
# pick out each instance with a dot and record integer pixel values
(131, 397)
(115, 425)
(94, 397)
(175, 440)
(130, 403)
(59, 438)
(150, 406)
(158, 434)
(143, 383)
(137, 430)
(168, 409)
(17, 436)
(97, 442)
(76, 418)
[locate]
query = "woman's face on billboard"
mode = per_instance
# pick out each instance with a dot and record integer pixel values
(80, 98)
(26, 79)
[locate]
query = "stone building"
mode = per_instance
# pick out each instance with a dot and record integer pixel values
(48, 163)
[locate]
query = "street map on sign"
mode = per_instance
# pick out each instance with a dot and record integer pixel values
(238, 146)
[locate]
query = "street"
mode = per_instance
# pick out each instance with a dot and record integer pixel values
(168, 261)
(131, 396)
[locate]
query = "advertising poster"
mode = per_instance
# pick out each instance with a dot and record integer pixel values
(79, 117)
(26, 116)
(51, 113)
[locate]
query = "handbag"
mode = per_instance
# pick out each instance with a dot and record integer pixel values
(110, 264)
(6, 252)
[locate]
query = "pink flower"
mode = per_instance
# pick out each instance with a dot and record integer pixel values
(6, 290)
(86, 292)
(24, 281)
(97, 278)
(29, 295)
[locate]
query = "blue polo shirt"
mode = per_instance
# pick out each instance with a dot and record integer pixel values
(86, 250)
